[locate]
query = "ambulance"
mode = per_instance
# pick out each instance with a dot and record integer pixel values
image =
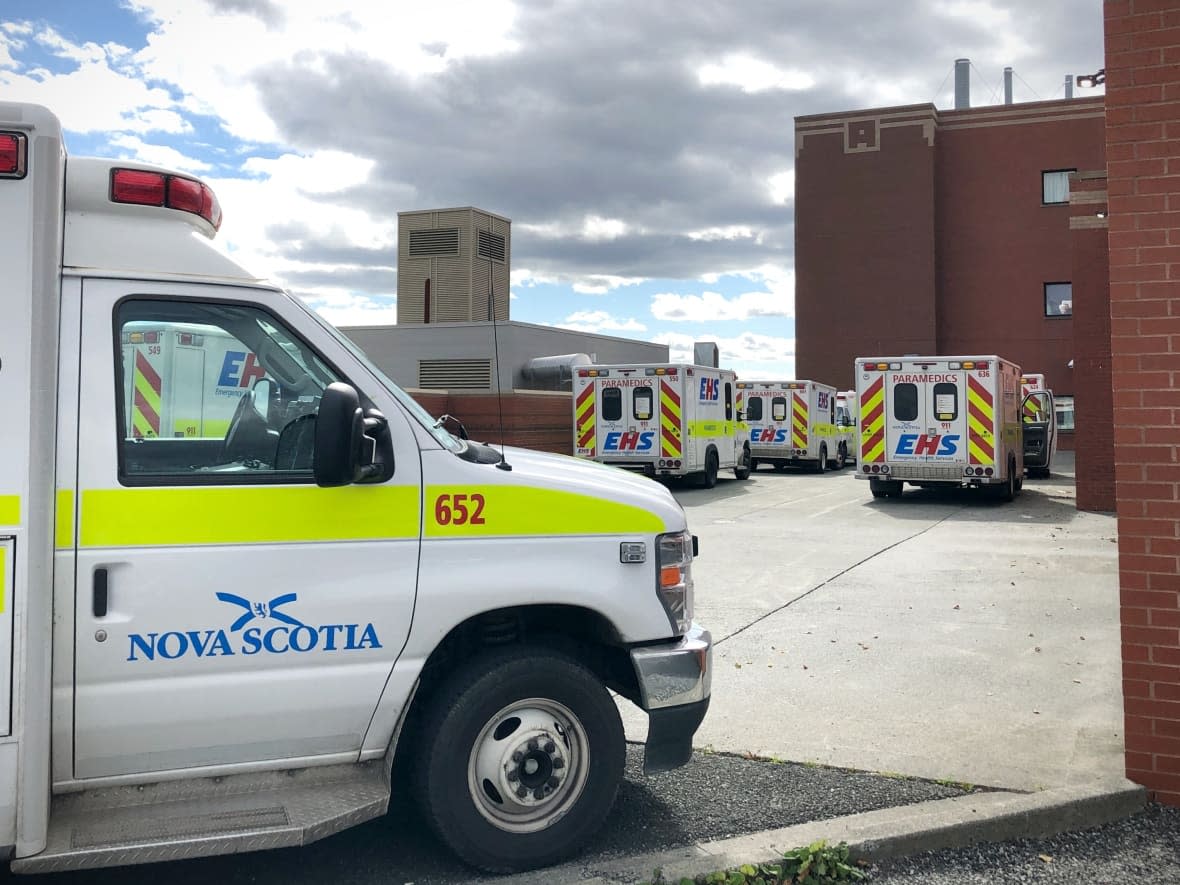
(846, 423)
(939, 420)
(220, 641)
(207, 374)
(1038, 414)
(793, 424)
(663, 420)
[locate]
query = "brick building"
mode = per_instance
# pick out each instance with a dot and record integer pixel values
(930, 231)
(1143, 167)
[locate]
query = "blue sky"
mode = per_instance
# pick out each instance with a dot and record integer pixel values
(644, 152)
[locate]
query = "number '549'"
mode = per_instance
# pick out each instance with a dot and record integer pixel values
(459, 509)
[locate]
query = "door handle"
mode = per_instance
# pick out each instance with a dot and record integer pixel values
(101, 593)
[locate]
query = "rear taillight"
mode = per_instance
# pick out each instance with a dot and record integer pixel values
(13, 154)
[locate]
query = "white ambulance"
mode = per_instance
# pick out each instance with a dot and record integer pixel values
(793, 424)
(846, 423)
(1038, 414)
(211, 645)
(665, 421)
(938, 420)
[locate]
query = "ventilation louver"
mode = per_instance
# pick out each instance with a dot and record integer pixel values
(455, 374)
(490, 246)
(438, 241)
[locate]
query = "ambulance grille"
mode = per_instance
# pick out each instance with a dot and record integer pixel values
(437, 241)
(922, 471)
(455, 374)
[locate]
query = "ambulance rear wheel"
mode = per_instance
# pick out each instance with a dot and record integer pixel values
(822, 465)
(745, 465)
(753, 464)
(712, 465)
(1007, 492)
(520, 756)
(841, 458)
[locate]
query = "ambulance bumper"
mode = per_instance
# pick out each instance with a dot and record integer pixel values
(675, 681)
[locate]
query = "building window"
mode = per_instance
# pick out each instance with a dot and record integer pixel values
(1058, 299)
(1064, 407)
(1055, 187)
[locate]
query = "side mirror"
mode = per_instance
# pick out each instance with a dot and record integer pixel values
(339, 436)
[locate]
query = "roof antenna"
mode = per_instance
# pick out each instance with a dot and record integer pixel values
(503, 462)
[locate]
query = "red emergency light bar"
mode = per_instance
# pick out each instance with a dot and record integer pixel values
(13, 154)
(144, 188)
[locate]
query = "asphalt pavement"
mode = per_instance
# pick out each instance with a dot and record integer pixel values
(901, 674)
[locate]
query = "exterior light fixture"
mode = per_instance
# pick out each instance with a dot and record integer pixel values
(1089, 81)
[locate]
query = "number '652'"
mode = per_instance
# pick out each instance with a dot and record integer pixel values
(459, 509)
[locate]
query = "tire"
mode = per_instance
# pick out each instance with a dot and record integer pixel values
(709, 477)
(742, 471)
(821, 466)
(841, 457)
(1007, 492)
(753, 464)
(879, 493)
(516, 719)
(895, 488)
(879, 488)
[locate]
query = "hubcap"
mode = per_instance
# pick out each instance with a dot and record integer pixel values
(528, 766)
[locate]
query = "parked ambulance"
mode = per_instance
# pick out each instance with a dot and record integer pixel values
(937, 420)
(665, 420)
(793, 424)
(1038, 414)
(217, 641)
(846, 423)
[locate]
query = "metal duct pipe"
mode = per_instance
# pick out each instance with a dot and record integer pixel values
(1069, 85)
(962, 83)
(1007, 86)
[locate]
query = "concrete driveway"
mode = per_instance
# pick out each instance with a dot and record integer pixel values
(940, 635)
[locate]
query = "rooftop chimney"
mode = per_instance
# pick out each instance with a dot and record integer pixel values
(1007, 86)
(962, 83)
(1069, 86)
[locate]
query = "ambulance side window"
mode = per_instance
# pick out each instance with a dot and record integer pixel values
(641, 403)
(905, 402)
(946, 402)
(612, 404)
(754, 408)
(778, 408)
(213, 393)
(728, 401)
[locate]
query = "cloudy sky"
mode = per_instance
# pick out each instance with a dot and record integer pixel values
(643, 149)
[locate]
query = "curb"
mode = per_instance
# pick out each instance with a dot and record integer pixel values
(878, 835)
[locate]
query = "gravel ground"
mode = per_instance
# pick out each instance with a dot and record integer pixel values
(1142, 850)
(713, 797)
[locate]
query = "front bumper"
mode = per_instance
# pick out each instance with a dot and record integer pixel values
(675, 680)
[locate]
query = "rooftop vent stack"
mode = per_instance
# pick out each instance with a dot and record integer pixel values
(1069, 86)
(962, 83)
(1007, 86)
(705, 353)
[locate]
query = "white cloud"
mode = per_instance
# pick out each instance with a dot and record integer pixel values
(765, 356)
(714, 307)
(158, 154)
(782, 187)
(601, 284)
(600, 321)
(752, 75)
(732, 232)
(596, 228)
(348, 309)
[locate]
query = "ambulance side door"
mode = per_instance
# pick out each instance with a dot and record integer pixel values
(228, 611)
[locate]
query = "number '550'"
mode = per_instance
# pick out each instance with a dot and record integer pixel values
(459, 509)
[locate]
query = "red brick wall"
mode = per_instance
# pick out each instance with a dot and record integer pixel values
(1093, 408)
(1143, 152)
(541, 420)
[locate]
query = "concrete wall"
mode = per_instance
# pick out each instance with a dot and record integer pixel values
(396, 350)
(1143, 144)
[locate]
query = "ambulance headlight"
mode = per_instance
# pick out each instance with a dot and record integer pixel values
(674, 554)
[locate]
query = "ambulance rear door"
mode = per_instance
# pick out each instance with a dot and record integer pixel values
(628, 416)
(926, 418)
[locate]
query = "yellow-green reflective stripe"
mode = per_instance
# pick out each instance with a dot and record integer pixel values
(237, 515)
(64, 519)
(9, 509)
(487, 510)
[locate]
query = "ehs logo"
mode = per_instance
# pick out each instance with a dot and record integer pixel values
(631, 441)
(239, 369)
(709, 387)
(290, 635)
(768, 435)
(921, 444)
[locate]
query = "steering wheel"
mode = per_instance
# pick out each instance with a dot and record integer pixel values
(245, 401)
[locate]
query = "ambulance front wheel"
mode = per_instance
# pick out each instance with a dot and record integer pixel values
(520, 756)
